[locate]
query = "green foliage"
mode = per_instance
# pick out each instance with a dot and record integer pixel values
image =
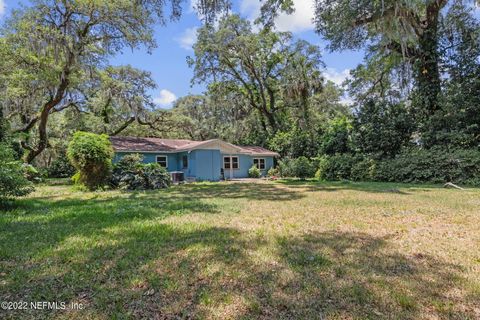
(131, 174)
(12, 181)
(60, 168)
(435, 165)
(337, 137)
(300, 167)
(336, 167)
(254, 172)
(273, 172)
(31, 173)
(382, 128)
(91, 155)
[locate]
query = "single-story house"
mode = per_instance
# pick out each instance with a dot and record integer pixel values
(211, 160)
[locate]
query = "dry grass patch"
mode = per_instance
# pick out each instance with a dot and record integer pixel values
(284, 250)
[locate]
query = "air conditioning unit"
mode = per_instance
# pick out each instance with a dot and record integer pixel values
(177, 176)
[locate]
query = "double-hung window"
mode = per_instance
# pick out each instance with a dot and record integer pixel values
(259, 163)
(162, 161)
(230, 162)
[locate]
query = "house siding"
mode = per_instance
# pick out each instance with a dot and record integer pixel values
(203, 164)
(245, 163)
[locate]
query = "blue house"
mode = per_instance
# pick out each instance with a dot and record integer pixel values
(211, 160)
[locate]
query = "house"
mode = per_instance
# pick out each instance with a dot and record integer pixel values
(211, 160)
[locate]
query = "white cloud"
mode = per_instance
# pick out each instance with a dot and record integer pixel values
(2, 7)
(166, 98)
(337, 77)
(300, 20)
(188, 38)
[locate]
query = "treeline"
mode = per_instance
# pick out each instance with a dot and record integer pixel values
(415, 99)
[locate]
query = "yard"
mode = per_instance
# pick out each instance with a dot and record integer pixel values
(271, 250)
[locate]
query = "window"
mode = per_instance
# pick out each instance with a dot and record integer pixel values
(162, 160)
(259, 163)
(230, 162)
(185, 162)
(235, 162)
(226, 162)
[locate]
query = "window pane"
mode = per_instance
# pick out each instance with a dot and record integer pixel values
(262, 163)
(185, 161)
(162, 161)
(226, 162)
(234, 162)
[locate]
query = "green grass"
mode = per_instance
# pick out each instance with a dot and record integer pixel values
(271, 250)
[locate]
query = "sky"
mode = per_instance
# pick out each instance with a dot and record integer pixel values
(167, 62)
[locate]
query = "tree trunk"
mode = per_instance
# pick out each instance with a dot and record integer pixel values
(427, 71)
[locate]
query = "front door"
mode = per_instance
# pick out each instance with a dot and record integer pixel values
(230, 163)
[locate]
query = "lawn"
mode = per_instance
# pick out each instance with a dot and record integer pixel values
(271, 250)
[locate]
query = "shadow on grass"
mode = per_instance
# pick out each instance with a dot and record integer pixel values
(373, 187)
(148, 269)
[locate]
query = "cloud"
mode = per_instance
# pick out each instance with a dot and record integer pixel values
(166, 98)
(188, 38)
(337, 77)
(2, 8)
(300, 20)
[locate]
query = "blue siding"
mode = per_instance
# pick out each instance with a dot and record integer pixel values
(203, 164)
(207, 164)
(245, 162)
(172, 162)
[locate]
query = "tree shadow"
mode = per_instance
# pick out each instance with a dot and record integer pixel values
(371, 187)
(251, 191)
(150, 269)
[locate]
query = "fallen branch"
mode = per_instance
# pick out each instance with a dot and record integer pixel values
(451, 185)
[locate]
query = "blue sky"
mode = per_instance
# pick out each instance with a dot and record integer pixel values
(167, 63)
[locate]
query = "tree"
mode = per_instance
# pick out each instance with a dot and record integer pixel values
(405, 28)
(232, 57)
(382, 129)
(91, 155)
(53, 49)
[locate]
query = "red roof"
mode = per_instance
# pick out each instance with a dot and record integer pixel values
(139, 144)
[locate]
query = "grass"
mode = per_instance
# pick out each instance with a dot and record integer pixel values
(283, 250)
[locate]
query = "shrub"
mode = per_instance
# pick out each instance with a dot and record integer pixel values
(131, 174)
(91, 155)
(410, 166)
(254, 172)
(12, 181)
(31, 173)
(272, 172)
(60, 168)
(300, 167)
(336, 167)
(431, 166)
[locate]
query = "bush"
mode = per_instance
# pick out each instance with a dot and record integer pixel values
(12, 181)
(300, 167)
(336, 167)
(60, 168)
(131, 174)
(31, 173)
(254, 172)
(410, 166)
(272, 172)
(91, 155)
(431, 166)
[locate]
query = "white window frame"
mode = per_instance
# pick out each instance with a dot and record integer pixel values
(258, 163)
(166, 160)
(231, 163)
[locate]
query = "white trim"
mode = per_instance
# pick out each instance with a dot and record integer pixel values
(231, 162)
(166, 160)
(264, 163)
